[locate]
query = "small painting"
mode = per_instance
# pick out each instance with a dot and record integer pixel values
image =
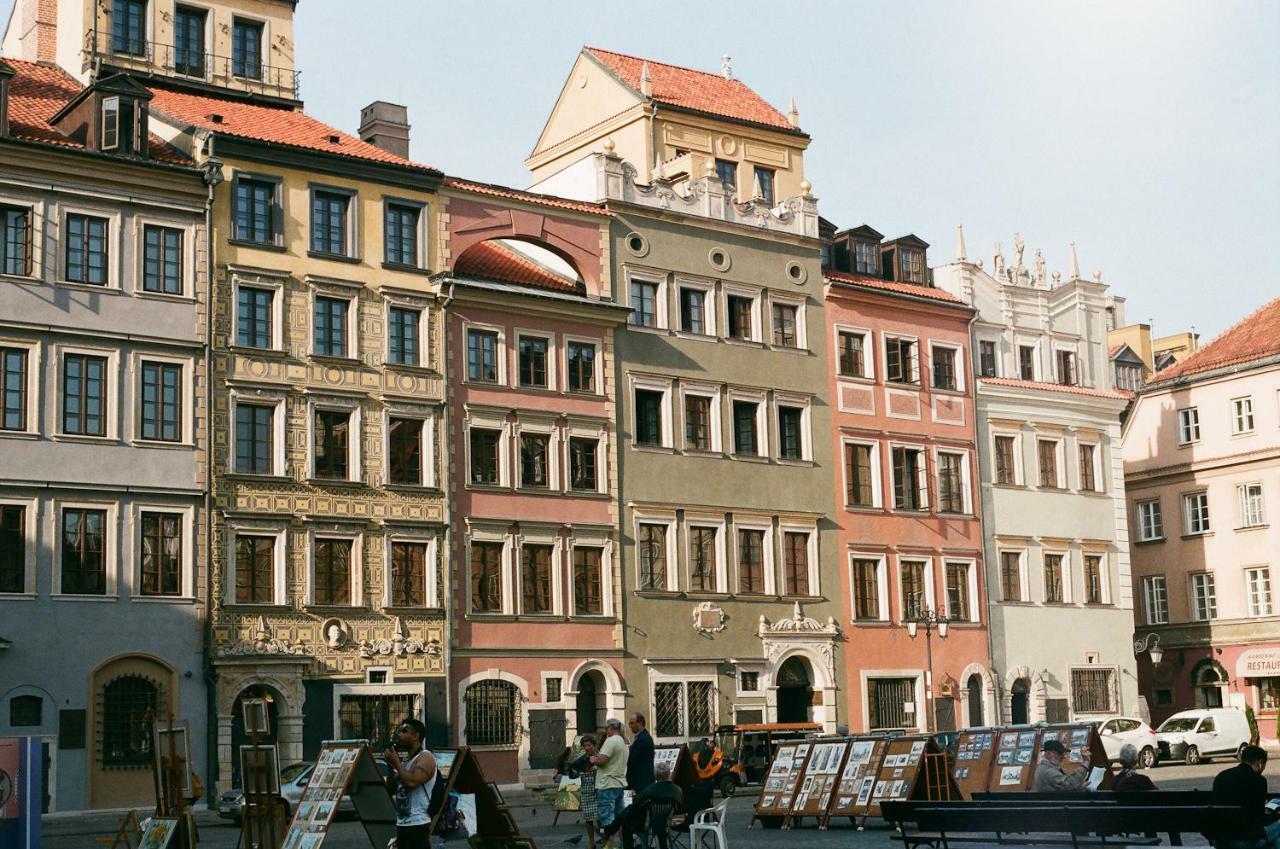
(259, 770)
(1010, 775)
(158, 832)
(255, 716)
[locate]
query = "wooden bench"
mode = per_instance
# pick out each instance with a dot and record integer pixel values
(1125, 797)
(1075, 824)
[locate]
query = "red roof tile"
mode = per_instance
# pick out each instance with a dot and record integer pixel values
(892, 286)
(279, 125)
(700, 91)
(1253, 338)
(493, 261)
(1055, 387)
(527, 197)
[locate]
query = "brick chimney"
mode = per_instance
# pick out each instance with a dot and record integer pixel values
(386, 125)
(6, 74)
(32, 34)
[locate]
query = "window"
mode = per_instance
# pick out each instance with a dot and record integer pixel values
(255, 436)
(748, 681)
(651, 555)
(644, 303)
(764, 184)
(408, 574)
(111, 123)
(583, 473)
(1259, 584)
(482, 356)
(697, 422)
(535, 579)
(795, 563)
(400, 233)
(911, 575)
(332, 443)
(745, 426)
(188, 41)
(951, 483)
(859, 475)
(161, 402)
(26, 711)
(1047, 453)
(533, 361)
(1241, 415)
(254, 210)
(910, 489)
(129, 704)
(683, 708)
(246, 49)
(1011, 575)
(693, 310)
(1066, 362)
(739, 311)
(1095, 580)
(15, 240)
(86, 250)
(1053, 579)
(535, 453)
(329, 222)
(1006, 464)
(1164, 697)
(1128, 377)
(129, 27)
(986, 358)
(402, 329)
(161, 564)
(944, 368)
(13, 388)
(1155, 599)
(866, 258)
(727, 171)
(161, 260)
(1196, 508)
(485, 468)
(790, 432)
(84, 395)
(1251, 512)
(1027, 362)
(900, 360)
(649, 417)
(958, 591)
(852, 353)
(750, 560)
(254, 317)
(866, 588)
(1268, 693)
(1088, 472)
(13, 548)
(784, 326)
(1092, 690)
(255, 569)
(492, 713)
(911, 264)
(887, 700)
(404, 451)
(1204, 600)
(581, 357)
(486, 577)
(703, 559)
(331, 571)
(84, 551)
(1188, 425)
(1150, 521)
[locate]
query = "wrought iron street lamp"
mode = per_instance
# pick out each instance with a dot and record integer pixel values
(1151, 645)
(927, 618)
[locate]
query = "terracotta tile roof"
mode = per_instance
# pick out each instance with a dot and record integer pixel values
(912, 289)
(1253, 338)
(493, 261)
(496, 191)
(1115, 349)
(280, 125)
(699, 91)
(1055, 387)
(38, 92)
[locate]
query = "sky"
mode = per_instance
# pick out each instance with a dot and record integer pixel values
(1146, 131)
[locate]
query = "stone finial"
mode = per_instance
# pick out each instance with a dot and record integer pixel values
(646, 81)
(726, 66)
(757, 193)
(960, 249)
(609, 146)
(793, 114)
(979, 263)
(710, 168)
(1097, 276)
(1074, 271)
(805, 187)
(1057, 278)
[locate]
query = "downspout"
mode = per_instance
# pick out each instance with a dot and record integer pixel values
(212, 177)
(447, 488)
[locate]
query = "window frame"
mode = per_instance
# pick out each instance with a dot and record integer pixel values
(422, 332)
(186, 400)
(1255, 610)
(930, 602)
(1060, 471)
(811, 551)
(184, 69)
(588, 430)
(710, 327)
(958, 367)
(1099, 484)
(426, 434)
(111, 387)
(1019, 478)
(602, 539)
(276, 210)
(33, 382)
(804, 404)
(264, 39)
(667, 519)
(880, 561)
(550, 360)
(1065, 573)
(768, 193)
(31, 242)
(970, 565)
(494, 421)
(664, 386)
(355, 589)
(350, 320)
(421, 232)
(657, 279)
(995, 358)
(260, 398)
(716, 523)
(491, 534)
(187, 591)
(877, 494)
(913, 376)
(1210, 597)
(1034, 348)
(535, 426)
(111, 241)
(755, 298)
(1105, 596)
(769, 558)
(1149, 597)
(711, 393)
(276, 288)
(1189, 520)
(597, 364)
(499, 352)
(1243, 420)
(110, 548)
(1073, 377)
(868, 351)
(924, 501)
(30, 527)
(800, 329)
(412, 536)
(966, 485)
(762, 430)
(1188, 425)
(186, 271)
(657, 676)
(258, 528)
(1243, 500)
(1023, 594)
(1140, 519)
(352, 407)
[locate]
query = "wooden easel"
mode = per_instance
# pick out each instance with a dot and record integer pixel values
(123, 838)
(172, 772)
(262, 822)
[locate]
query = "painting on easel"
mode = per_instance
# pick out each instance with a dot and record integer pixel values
(260, 769)
(256, 720)
(173, 748)
(158, 832)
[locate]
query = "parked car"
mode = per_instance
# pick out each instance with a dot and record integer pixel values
(1119, 730)
(293, 781)
(1197, 735)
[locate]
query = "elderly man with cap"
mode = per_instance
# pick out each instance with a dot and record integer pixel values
(1051, 777)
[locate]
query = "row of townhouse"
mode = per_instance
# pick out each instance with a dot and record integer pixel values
(287, 415)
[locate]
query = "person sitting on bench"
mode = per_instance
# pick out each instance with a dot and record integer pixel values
(1051, 777)
(1129, 778)
(1244, 785)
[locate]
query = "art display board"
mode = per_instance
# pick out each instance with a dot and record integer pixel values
(21, 766)
(684, 773)
(1078, 738)
(858, 777)
(344, 768)
(494, 824)
(783, 780)
(975, 755)
(818, 782)
(1017, 749)
(901, 775)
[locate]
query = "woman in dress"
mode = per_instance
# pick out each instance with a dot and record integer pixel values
(587, 773)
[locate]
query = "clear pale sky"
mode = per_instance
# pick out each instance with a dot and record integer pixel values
(1146, 132)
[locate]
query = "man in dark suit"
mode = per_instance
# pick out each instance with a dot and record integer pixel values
(1244, 785)
(640, 761)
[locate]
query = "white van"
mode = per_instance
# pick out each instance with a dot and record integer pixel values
(1196, 735)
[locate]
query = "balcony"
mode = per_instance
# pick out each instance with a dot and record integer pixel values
(239, 74)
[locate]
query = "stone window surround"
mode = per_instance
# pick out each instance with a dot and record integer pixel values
(590, 537)
(427, 416)
(188, 592)
(112, 385)
(341, 290)
(489, 419)
(715, 521)
(877, 484)
(113, 216)
(35, 383)
(868, 351)
(188, 364)
(328, 530)
(355, 433)
(500, 352)
(431, 539)
(259, 527)
(882, 584)
(30, 517)
(275, 398)
(140, 223)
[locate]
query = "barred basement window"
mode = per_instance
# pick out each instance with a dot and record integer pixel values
(492, 713)
(128, 704)
(683, 708)
(1092, 690)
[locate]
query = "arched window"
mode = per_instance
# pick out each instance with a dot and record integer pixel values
(975, 700)
(493, 717)
(25, 711)
(1208, 680)
(129, 704)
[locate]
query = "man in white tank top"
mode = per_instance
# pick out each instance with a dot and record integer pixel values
(411, 781)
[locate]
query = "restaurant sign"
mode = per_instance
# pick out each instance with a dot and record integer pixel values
(1259, 663)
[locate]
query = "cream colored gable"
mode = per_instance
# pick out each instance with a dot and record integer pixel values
(590, 95)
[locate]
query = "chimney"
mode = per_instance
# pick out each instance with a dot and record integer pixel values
(32, 33)
(6, 74)
(386, 125)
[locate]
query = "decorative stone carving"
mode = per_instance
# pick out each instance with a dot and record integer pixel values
(336, 633)
(799, 623)
(399, 645)
(709, 618)
(262, 643)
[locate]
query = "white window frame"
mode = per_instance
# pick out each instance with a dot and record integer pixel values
(489, 420)
(597, 363)
(260, 398)
(1188, 425)
(930, 599)
(653, 384)
(187, 593)
(1255, 594)
(1068, 568)
(868, 351)
(661, 310)
(576, 429)
(717, 523)
(1099, 485)
(971, 579)
(30, 541)
(657, 676)
(426, 417)
(350, 406)
(747, 522)
(1024, 582)
(926, 498)
(532, 424)
(1074, 351)
(1104, 576)
(1249, 517)
(804, 403)
(1059, 453)
(323, 531)
(711, 392)
(247, 527)
(1242, 418)
(580, 537)
(962, 384)
(877, 485)
(763, 431)
(1142, 516)
(977, 357)
(500, 352)
(533, 533)
(276, 287)
(710, 326)
(1036, 367)
(1019, 473)
(1196, 609)
(431, 575)
(111, 381)
(35, 382)
(811, 545)
(140, 224)
(1188, 518)
(553, 359)
(966, 479)
(188, 365)
(113, 218)
(110, 548)
(802, 335)
(424, 329)
(756, 296)
(1155, 599)
(655, 517)
(351, 322)
(490, 532)
(760, 669)
(882, 582)
(885, 338)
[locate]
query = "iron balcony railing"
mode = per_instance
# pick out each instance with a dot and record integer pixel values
(240, 73)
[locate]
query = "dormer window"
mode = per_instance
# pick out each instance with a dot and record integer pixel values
(911, 266)
(866, 258)
(120, 126)
(110, 123)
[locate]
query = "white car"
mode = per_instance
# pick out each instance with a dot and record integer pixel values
(1197, 735)
(1119, 730)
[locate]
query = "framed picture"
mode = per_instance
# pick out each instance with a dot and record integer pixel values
(260, 770)
(158, 832)
(173, 755)
(497, 794)
(255, 716)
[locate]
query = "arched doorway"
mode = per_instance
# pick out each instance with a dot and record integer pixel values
(592, 690)
(1209, 680)
(130, 694)
(974, 688)
(1020, 702)
(795, 690)
(239, 737)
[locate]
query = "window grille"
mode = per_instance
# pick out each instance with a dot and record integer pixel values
(887, 699)
(701, 711)
(492, 713)
(1092, 691)
(668, 704)
(128, 705)
(374, 718)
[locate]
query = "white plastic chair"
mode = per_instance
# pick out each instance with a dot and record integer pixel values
(710, 821)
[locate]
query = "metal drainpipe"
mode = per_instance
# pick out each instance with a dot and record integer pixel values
(210, 677)
(448, 526)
